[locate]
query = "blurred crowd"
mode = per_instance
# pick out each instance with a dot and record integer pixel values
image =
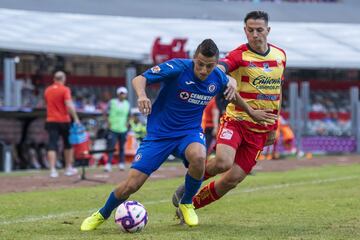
(329, 116)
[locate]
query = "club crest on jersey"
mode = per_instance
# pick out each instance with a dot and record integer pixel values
(155, 69)
(267, 67)
(137, 157)
(184, 95)
(251, 65)
(212, 88)
(226, 134)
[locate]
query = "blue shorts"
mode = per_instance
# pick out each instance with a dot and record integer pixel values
(152, 153)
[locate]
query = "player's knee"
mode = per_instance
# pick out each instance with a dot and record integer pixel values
(197, 164)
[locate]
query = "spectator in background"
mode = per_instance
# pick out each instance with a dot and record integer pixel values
(138, 127)
(210, 122)
(118, 116)
(59, 107)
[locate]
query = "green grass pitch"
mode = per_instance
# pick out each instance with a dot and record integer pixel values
(311, 203)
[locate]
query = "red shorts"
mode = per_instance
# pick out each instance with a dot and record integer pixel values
(248, 144)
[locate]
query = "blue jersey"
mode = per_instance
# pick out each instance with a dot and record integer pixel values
(178, 109)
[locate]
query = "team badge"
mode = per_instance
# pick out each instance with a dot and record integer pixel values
(212, 88)
(184, 95)
(226, 134)
(137, 157)
(267, 68)
(251, 65)
(155, 69)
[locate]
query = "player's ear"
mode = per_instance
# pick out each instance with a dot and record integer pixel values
(268, 29)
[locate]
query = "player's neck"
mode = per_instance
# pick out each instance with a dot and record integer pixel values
(260, 49)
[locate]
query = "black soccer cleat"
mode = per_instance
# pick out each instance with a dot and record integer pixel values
(178, 194)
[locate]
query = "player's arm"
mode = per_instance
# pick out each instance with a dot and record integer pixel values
(144, 103)
(272, 135)
(271, 138)
(229, 93)
(260, 116)
(215, 118)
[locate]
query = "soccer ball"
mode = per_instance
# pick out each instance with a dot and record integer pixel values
(131, 216)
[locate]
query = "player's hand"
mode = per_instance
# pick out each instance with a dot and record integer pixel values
(144, 105)
(271, 138)
(263, 116)
(230, 91)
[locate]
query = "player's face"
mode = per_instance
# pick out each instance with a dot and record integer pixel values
(203, 66)
(256, 32)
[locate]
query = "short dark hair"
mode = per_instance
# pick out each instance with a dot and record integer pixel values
(257, 15)
(208, 48)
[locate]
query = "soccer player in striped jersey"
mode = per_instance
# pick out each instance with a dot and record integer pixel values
(258, 68)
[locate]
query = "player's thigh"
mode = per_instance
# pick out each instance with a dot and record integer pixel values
(192, 148)
(225, 155)
(228, 140)
(246, 156)
(151, 154)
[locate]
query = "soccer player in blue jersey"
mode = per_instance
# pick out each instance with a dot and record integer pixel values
(174, 126)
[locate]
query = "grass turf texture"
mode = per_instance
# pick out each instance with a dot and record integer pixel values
(311, 203)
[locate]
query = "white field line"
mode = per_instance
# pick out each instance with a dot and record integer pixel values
(246, 190)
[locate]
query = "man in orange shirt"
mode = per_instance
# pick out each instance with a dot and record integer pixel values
(258, 68)
(59, 106)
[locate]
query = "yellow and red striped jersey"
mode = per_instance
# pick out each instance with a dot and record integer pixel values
(259, 79)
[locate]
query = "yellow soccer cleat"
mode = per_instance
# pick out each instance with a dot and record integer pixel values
(187, 214)
(92, 222)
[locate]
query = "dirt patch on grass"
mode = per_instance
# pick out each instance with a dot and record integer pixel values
(37, 180)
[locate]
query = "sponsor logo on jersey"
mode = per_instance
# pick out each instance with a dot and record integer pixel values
(155, 69)
(267, 97)
(189, 82)
(212, 88)
(195, 98)
(184, 95)
(262, 82)
(226, 133)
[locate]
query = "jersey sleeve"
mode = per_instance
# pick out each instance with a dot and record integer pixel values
(232, 60)
(163, 72)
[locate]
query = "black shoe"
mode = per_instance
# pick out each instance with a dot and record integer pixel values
(178, 194)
